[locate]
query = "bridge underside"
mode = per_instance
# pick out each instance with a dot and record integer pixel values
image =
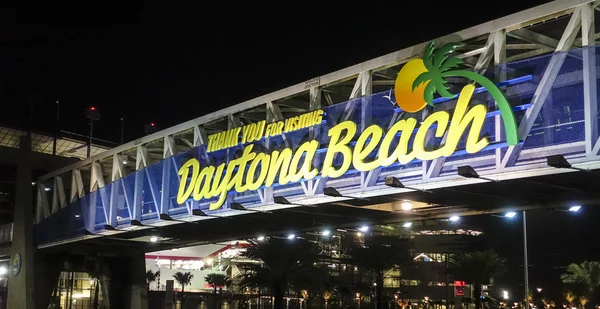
(550, 192)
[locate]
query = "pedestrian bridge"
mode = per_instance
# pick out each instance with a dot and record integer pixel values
(319, 142)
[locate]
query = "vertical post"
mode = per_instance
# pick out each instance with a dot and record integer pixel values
(20, 294)
(447, 282)
(89, 147)
(122, 128)
(525, 264)
(590, 105)
(55, 128)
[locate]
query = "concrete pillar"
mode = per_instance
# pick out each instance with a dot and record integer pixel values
(20, 291)
(123, 282)
(139, 291)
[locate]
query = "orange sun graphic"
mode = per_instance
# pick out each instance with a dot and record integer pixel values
(407, 99)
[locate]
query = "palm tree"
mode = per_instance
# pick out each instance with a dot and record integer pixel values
(151, 277)
(570, 298)
(439, 64)
(583, 301)
(284, 264)
(380, 254)
(477, 268)
(217, 281)
(183, 279)
(586, 274)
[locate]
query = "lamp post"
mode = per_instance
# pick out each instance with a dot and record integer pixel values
(525, 265)
(92, 114)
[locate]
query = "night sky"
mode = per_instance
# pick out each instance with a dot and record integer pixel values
(167, 64)
(171, 64)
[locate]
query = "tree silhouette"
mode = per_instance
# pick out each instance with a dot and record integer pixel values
(380, 254)
(151, 277)
(477, 268)
(217, 281)
(183, 279)
(586, 275)
(284, 264)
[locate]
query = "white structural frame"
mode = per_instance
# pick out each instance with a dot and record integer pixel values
(581, 17)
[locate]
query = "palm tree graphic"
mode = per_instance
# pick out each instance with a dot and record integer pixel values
(440, 65)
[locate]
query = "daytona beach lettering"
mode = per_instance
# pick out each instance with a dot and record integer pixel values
(253, 170)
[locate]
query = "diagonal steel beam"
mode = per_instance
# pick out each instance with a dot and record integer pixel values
(546, 83)
(534, 37)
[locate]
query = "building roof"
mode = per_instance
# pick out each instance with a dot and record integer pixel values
(67, 145)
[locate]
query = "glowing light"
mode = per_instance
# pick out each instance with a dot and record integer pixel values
(325, 233)
(153, 239)
(152, 123)
(260, 238)
(574, 208)
(454, 218)
(407, 224)
(510, 214)
(92, 108)
(407, 205)
(3, 271)
(291, 236)
(363, 228)
(505, 294)
(359, 234)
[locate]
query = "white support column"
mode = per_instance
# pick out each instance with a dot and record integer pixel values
(590, 101)
(168, 163)
(200, 137)
(546, 83)
(273, 112)
(499, 58)
(119, 194)
(77, 190)
(43, 197)
(233, 121)
(366, 113)
(42, 207)
(96, 187)
(140, 163)
(59, 200)
(315, 98)
(117, 167)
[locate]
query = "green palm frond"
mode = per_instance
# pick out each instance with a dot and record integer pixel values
(443, 53)
(422, 78)
(437, 61)
(586, 274)
(428, 55)
(450, 63)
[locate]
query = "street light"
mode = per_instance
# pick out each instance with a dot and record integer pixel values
(510, 214)
(575, 208)
(92, 114)
(454, 218)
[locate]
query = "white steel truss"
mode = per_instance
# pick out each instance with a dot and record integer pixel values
(483, 44)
